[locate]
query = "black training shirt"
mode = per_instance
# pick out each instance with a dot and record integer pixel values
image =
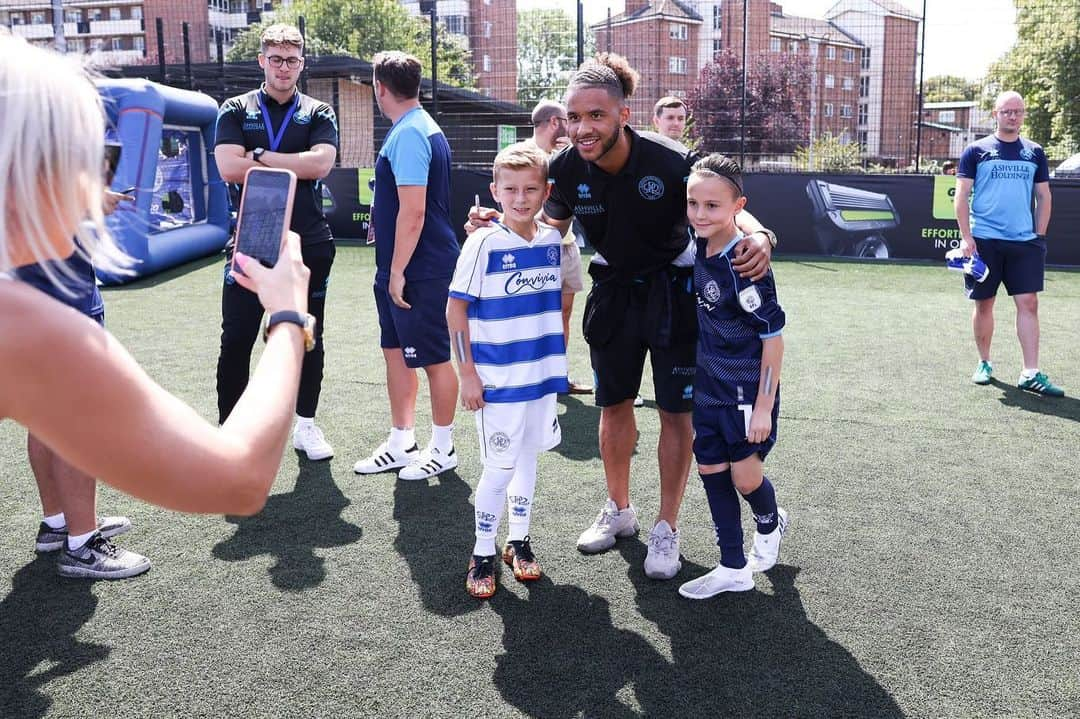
(636, 218)
(240, 122)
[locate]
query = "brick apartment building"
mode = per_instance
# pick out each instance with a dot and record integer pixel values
(949, 127)
(660, 40)
(861, 57)
(490, 29)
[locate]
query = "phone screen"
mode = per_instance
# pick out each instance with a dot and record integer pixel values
(263, 222)
(112, 160)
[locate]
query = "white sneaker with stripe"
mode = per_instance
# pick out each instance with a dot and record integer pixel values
(430, 462)
(384, 459)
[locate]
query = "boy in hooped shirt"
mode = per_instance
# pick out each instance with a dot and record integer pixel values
(737, 385)
(505, 320)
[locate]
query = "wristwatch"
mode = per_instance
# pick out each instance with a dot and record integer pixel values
(305, 321)
(257, 154)
(769, 234)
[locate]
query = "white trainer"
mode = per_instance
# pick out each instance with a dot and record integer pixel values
(384, 459)
(610, 523)
(766, 549)
(662, 561)
(309, 439)
(429, 463)
(720, 579)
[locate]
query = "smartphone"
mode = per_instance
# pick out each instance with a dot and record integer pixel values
(266, 207)
(112, 160)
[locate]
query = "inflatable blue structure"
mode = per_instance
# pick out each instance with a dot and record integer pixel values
(181, 208)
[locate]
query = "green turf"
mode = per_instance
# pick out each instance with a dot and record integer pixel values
(930, 570)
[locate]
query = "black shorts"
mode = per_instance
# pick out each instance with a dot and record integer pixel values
(421, 332)
(654, 314)
(1020, 265)
(720, 433)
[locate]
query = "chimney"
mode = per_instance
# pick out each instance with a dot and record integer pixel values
(633, 6)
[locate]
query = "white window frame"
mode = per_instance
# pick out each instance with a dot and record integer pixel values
(677, 65)
(827, 111)
(830, 52)
(848, 84)
(830, 81)
(774, 44)
(849, 55)
(677, 31)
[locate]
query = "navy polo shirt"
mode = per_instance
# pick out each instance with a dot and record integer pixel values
(240, 122)
(635, 218)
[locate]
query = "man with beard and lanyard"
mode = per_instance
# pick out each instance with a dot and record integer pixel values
(628, 190)
(278, 126)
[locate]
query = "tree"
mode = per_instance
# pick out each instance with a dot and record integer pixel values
(777, 102)
(829, 153)
(547, 54)
(950, 88)
(1042, 66)
(361, 28)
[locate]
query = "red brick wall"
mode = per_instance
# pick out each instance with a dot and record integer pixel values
(648, 45)
(898, 101)
(174, 13)
(493, 32)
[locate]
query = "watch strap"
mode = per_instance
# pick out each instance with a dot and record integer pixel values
(305, 322)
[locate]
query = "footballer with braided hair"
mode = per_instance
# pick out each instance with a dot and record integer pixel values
(628, 190)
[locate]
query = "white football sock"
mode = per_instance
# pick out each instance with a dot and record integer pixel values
(442, 437)
(305, 422)
(490, 496)
(519, 496)
(1028, 373)
(401, 439)
(55, 521)
(75, 543)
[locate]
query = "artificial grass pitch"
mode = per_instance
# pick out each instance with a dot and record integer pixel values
(929, 570)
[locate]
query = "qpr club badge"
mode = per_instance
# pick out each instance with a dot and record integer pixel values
(651, 187)
(750, 299)
(711, 292)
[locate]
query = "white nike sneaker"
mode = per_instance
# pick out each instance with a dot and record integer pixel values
(384, 459)
(429, 463)
(766, 549)
(720, 579)
(662, 561)
(610, 523)
(309, 439)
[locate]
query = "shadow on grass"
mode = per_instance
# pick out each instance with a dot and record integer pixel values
(564, 657)
(747, 654)
(580, 424)
(38, 623)
(1013, 396)
(435, 538)
(291, 526)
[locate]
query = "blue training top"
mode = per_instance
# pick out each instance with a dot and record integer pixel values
(1005, 174)
(81, 283)
(734, 316)
(415, 153)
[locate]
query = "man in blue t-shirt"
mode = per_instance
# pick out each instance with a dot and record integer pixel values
(415, 253)
(997, 176)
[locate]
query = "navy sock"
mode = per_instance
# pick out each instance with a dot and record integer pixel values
(725, 510)
(762, 503)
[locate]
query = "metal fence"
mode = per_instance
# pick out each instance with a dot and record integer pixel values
(802, 85)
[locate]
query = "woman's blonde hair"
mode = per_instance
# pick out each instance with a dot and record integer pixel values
(51, 155)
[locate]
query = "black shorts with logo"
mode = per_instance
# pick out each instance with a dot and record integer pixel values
(1020, 265)
(654, 314)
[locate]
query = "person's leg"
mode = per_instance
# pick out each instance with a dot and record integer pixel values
(982, 324)
(674, 456)
(401, 387)
(241, 313)
(1027, 328)
(443, 384)
(732, 573)
(319, 259)
(63, 488)
(618, 436)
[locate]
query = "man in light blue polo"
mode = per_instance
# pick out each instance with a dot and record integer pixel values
(998, 175)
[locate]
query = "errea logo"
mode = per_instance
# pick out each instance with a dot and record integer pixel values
(410, 352)
(584, 192)
(509, 262)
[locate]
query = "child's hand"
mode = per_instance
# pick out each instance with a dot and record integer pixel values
(472, 392)
(760, 426)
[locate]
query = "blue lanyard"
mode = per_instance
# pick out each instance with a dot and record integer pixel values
(275, 138)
